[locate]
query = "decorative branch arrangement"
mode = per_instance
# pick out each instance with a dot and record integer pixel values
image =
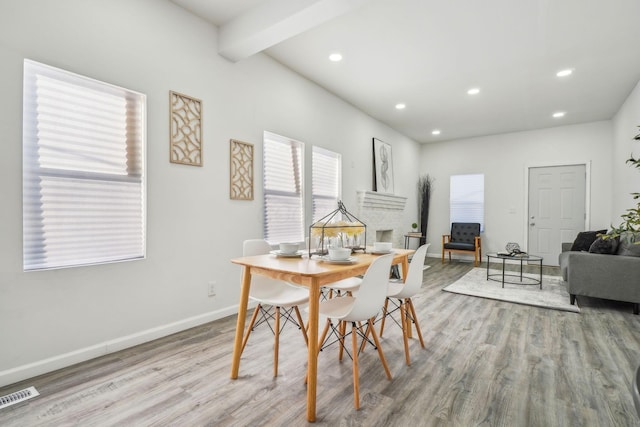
(186, 129)
(241, 170)
(425, 186)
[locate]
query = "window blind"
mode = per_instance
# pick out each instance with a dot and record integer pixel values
(466, 202)
(326, 182)
(283, 189)
(83, 170)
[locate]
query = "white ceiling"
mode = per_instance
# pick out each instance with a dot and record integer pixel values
(428, 53)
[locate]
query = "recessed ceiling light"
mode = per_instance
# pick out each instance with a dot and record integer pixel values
(400, 106)
(335, 57)
(435, 132)
(473, 91)
(564, 73)
(559, 114)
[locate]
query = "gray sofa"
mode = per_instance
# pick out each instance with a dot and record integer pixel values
(613, 277)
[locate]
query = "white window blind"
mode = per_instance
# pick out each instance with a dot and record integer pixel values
(283, 189)
(83, 170)
(326, 182)
(466, 203)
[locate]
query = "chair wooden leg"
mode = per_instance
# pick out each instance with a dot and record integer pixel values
(356, 377)
(342, 331)
(380, 353)
(250, 327)
(366, 334)
(404, 321)
(415, 321)
(303, 328)
(384, 315)
(276, 342)
(323, 336)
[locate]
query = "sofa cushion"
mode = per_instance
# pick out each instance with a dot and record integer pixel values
(585, 239)
(608, 246)
(628, 244)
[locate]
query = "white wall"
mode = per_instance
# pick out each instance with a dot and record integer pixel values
(50, 319)
(504, 160)
(626, 179)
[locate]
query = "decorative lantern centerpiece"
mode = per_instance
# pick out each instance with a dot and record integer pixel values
(337, 229)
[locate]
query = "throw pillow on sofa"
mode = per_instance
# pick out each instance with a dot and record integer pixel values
(608, 246)
(585, 239)
(628, 244)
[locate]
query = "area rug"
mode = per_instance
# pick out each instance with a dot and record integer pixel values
(553, 294)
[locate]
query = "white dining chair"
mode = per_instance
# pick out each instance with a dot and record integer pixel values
(400, 296)
(341, 287)
(359, 310)
(282, 296)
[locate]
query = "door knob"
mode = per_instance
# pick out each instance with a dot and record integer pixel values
(532, 224)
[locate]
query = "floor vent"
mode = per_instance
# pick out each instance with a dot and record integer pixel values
(18, 396)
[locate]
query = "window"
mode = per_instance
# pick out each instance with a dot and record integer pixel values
(466, 202)
(283, 189)
(326, 182)
(83, 170)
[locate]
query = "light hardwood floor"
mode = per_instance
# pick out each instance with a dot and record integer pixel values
(486, 363)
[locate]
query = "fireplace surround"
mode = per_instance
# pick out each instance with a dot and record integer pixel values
(383, 214)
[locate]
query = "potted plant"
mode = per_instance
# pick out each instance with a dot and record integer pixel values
(414, 226)
(630, 226)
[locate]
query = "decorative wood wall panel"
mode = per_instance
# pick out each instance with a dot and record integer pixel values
(186, 129)
(241, 169)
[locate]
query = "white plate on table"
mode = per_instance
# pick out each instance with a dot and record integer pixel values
(349, 260)
(288, 255)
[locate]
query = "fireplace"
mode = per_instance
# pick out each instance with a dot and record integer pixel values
(383, 215)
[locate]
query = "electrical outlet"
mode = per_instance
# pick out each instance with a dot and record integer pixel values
(212, 288)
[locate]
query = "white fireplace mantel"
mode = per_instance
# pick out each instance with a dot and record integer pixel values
(382, 212)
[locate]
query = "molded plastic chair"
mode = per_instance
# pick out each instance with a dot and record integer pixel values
(355, 309)
(345, 286)
(275, 293)
(403, 293)
(464, 237)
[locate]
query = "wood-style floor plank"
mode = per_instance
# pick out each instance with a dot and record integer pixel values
(486, 363)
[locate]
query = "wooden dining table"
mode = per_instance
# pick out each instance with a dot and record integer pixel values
(312, 273)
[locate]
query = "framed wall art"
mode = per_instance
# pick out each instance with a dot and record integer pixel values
(186, 129)
(241, 170)
(383, 167)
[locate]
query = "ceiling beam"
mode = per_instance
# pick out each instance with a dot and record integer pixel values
(275, 21)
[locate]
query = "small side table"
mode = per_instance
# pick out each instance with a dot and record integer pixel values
(408, 237)
(508, 278)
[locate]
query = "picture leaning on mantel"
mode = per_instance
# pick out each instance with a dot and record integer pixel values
(383, 167)
(241, 170)
(186, 129)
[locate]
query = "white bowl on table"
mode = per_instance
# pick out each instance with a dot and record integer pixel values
(382, 246)
(339, 254)
(289, 248)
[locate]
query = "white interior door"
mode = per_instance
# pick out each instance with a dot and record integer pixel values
(557, 209)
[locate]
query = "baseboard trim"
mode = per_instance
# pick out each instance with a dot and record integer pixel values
(44, 366)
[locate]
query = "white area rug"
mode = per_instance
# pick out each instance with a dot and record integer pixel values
(552, 295)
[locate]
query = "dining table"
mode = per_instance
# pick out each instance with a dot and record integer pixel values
(311, 272)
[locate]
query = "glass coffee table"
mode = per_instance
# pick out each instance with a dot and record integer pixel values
(512, 277)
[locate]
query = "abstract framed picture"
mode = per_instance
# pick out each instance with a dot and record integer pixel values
(383, 167)
(241, 170)
(186, 129)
